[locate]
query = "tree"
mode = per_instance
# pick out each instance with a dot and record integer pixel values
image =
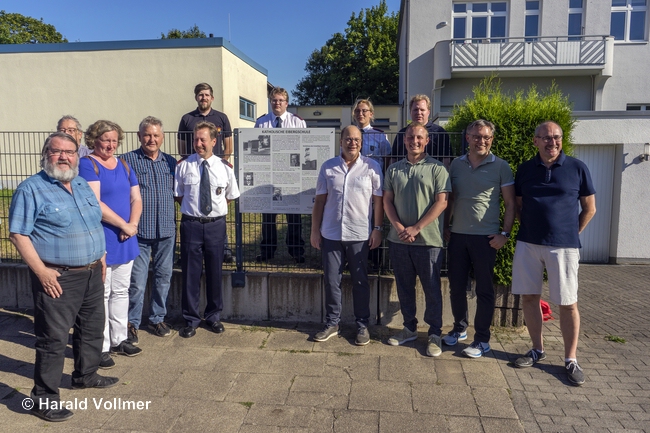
(192, 32)
(19, 29)
(362, 63)
(515, 118)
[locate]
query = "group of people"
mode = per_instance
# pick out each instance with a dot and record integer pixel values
(89, 225)
(427, 205)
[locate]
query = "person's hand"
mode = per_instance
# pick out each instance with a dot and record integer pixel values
(316, 240)
(497, 241)
(130, 229)
(49, 280)
(375, 239)
(409, 234)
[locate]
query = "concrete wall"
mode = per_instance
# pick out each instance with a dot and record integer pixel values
(284, 297)
(123, 81)
(628, 131)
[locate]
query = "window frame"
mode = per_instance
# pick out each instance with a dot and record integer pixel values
(247, 103)
(629, 9)
(576, 11)
(469, 15)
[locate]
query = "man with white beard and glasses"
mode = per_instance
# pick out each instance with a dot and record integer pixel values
(55, 224)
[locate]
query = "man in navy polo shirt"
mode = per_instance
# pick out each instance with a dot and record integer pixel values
(555, 202)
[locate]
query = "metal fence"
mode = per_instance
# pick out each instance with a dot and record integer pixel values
(20, 154)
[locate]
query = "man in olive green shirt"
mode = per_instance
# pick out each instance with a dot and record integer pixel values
(415, 196)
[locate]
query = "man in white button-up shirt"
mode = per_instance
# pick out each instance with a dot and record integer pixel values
(348, 194)
(203, 228)
(279, 117)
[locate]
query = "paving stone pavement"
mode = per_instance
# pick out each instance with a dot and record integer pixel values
(270, 377)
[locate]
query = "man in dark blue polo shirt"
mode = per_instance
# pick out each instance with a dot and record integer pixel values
(205, 113)
(555, 202)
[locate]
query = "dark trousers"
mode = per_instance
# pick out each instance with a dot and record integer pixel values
(295, 243)
(465, 252)
(335, 253)
(80, 306)
(424, 262)
(202, 243)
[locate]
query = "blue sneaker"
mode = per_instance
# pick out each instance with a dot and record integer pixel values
(453, 338)
(476, 349)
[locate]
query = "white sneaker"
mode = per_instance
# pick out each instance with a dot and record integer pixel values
(453, 338)
(476, 349)
(403, 336)
(434, 346)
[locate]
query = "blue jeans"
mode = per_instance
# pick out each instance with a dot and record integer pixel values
(408, 262)
(161, 253)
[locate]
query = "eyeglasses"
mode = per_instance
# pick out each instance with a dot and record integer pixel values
(69, 131)
(359, 111)
(57, 152)
(549, 138)
(278, 101)
(481, 137)
(349, 140)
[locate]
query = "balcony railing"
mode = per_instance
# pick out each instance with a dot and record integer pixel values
(556, 51)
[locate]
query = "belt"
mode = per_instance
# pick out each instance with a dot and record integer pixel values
(87, 267)
(202, 220)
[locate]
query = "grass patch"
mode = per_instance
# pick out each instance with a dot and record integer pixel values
(615, 339)
(345, 354)
(246, 404)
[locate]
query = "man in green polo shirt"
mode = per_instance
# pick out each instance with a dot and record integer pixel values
(473, 230)
(415, 195)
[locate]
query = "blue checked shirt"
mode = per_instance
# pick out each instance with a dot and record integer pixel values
(64, 228)
(156, 179)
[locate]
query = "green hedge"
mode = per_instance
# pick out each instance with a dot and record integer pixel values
(515, 117)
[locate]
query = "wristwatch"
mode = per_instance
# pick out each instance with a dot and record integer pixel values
(506, 234)
(377, 228)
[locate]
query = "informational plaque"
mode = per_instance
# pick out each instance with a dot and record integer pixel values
(278, 168)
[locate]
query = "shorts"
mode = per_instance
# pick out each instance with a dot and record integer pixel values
(561, 265)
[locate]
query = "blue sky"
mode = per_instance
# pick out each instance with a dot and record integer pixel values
(280, 36)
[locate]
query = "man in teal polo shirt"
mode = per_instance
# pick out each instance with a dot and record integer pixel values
(415, 195)
(472, 228)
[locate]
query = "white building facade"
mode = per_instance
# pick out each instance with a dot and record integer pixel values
(597, 53)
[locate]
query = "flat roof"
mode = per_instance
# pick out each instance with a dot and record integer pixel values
(144, 44)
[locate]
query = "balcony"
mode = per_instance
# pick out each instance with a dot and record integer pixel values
(547, 56)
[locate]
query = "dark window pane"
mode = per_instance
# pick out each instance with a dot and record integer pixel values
(459, 27)
(498, 27)
(619, 2)
(460, 7)
(617, 27)
(531, 25)
(637, 26)
(575, 24)
(633, 108)
(575, 4)
(532, 5)
(498, 7)
(638, 2)
(479, 7)
(479, 27)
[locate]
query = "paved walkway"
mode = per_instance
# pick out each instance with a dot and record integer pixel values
(268, 377)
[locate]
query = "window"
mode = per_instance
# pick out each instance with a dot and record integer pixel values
(531, 15)
(576, 9)
(480, 22)
(638, 107)
(628, 20)
(246, 109)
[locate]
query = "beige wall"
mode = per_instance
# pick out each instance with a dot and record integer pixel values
(121, 85)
